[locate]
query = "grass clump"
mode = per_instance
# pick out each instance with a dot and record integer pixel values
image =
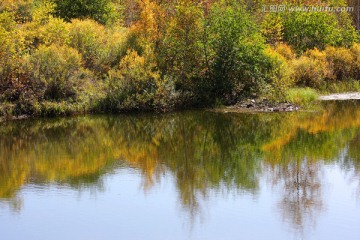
(302, 96)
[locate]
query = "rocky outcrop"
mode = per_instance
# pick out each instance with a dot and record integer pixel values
(252, 105)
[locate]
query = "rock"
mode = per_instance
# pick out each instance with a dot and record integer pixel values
(250, 105)
(264, 105)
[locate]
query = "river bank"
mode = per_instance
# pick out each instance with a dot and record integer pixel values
(248, 105)
(264, 105)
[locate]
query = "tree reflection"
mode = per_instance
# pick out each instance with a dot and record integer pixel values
(351, 161)
(295, 160)
(300, 184)
(202, 150)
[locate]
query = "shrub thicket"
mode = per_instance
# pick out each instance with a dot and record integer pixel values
(101, 48)
(236, 59)
(132, 85)
(53, 68)
(71, 9)
(308, 30)
(171, 54)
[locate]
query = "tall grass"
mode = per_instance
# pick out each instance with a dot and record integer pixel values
(302, 96)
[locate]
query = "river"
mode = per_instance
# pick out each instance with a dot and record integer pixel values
(185, 175)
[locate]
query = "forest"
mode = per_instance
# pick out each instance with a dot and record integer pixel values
(62, 57)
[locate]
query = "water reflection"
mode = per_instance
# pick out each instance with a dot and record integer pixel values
(203, 151)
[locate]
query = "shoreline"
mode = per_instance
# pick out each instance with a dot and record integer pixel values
(246, 106)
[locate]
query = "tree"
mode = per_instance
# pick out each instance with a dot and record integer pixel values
(318, 29)
(236, 60)
(95, 9)
(180, 54)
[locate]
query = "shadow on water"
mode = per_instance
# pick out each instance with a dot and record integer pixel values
(202, 150)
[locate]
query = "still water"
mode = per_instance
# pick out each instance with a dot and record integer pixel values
(186, 175)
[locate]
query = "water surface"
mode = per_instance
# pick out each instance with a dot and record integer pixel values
(187, 175)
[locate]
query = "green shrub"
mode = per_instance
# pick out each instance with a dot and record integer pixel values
(6, 110)
(86, 36)
(272, 28)
(180, 55)
(349, 35)
(42, 12)
(132, 85)
(166, 97)
(56, 31)
(71, 9)
(7, 52)
(238, 65)
(22, 9)
(308, 30)
(281, 75)
(100, 47)
(12, 48)
(36, 29)
(53, 67)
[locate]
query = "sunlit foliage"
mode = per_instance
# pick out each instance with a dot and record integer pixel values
(175, 54)
(70, 9)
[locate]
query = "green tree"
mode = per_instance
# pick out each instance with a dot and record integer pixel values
(308, 30)
(180, 55)
(236, 60)
(95, 9)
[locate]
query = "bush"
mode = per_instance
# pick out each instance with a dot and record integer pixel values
(52, 67)
(100, 47)
(355, 51)
(310, 72)
(132, 85)
(320, 69)
(56, 31)
(347, 30)
(272, 28)
(341, 63)
(238, 65)
(7, 50)
(71, 9)
(180, 55)
(12, 48)
(22, 9)
(308, 30)
(281, 75)
(285, 50)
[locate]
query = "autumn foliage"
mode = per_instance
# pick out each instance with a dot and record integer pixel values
(114, 55)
